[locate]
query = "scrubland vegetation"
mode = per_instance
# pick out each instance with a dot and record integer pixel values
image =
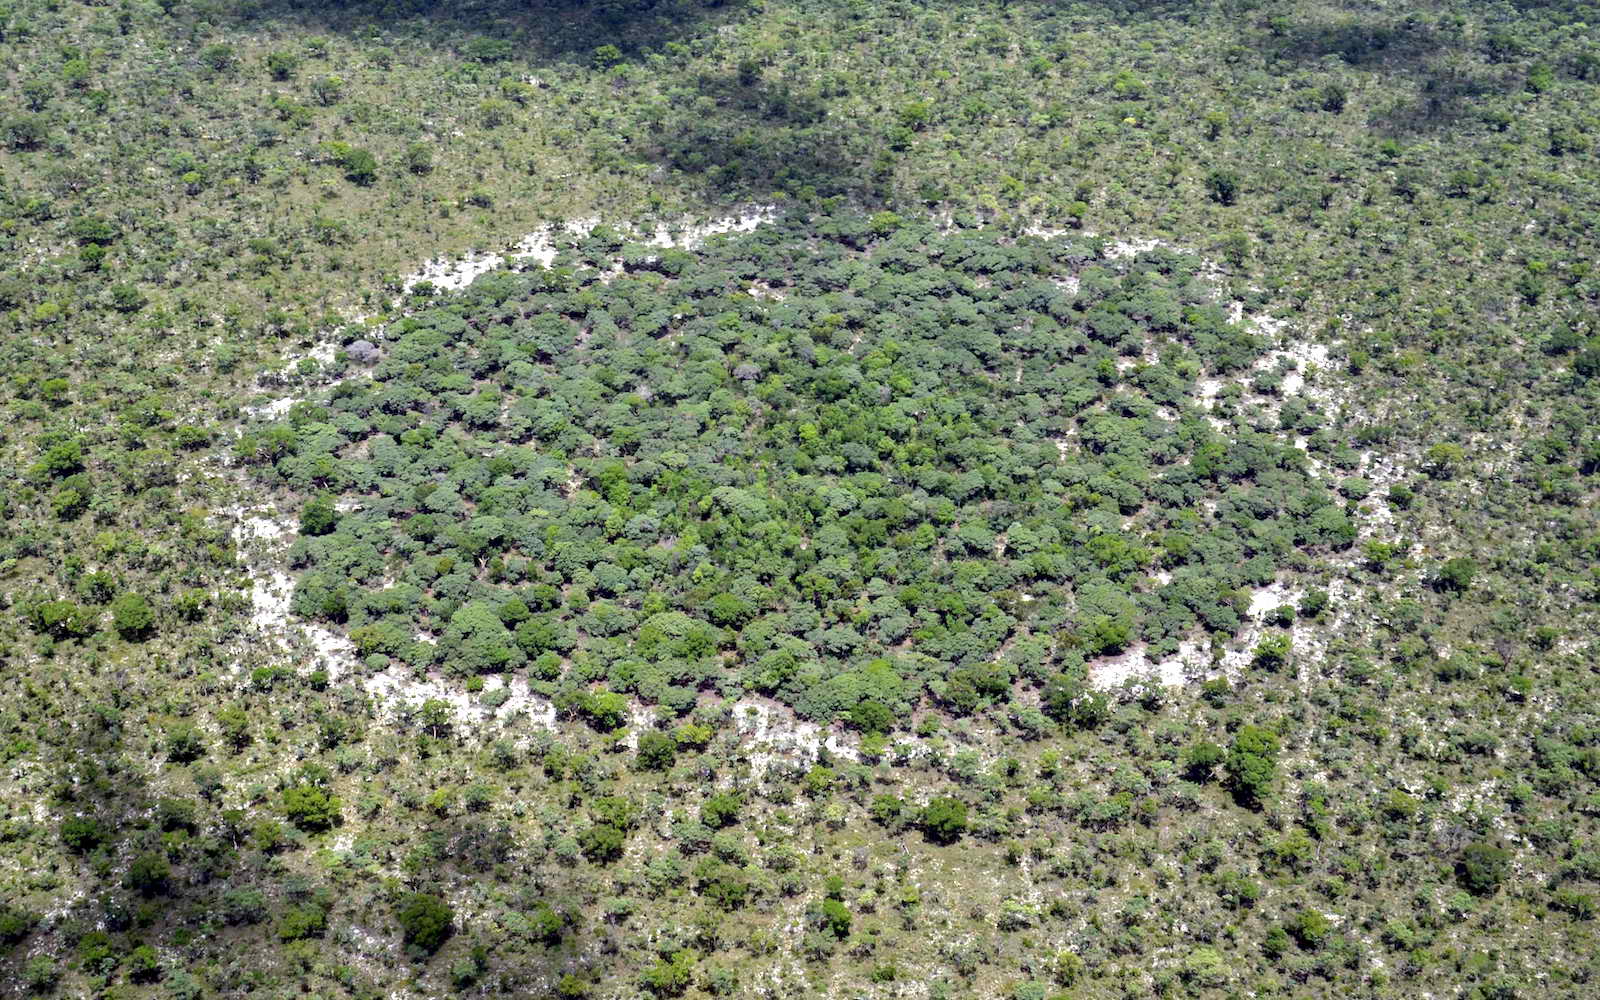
(1126, 528)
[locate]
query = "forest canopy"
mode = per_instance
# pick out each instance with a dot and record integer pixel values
(840, 461)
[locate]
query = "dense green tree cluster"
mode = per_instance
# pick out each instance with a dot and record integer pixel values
(921, 449)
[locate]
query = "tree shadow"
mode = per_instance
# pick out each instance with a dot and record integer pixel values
(740, 136)
(507, 30)
(1403, 45)
(1407, 48)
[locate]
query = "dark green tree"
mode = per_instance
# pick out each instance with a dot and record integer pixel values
(425, 921)
(1223, 186)
(311, 808)
(944, 819)
(319, 517)
(1483, 867)
(132, 616)
(1252, 764)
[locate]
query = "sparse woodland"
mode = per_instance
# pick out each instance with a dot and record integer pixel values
(1124, 525)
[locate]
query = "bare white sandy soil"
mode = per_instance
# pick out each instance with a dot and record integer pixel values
(540, 246)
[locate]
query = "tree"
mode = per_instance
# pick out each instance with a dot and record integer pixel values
(1455, 575)
(657, 752)
(1223, 186)
(1201, 760)
(721, 810)
(82, 834)
(143, 964)
(1068, 698)
(1443, 460)
(319, 517)
(872, 717)
(1310, 929)
(1252, 763)
(360, 167)
(1272, 653)
(476, 641)
(669, 977)
(38, 93)
(1205, 967)
(1483, 867)
(419, 158)
(605, 710)
(132, 616)
(24, 132)
(309, 920)
(281, 65)
(425, 921)
(888, 810)
(15, 925)
(234, 722)
(94, 230)
(185, 744)
(944, 819)
(218, 58)
(602, 843)
(150, 875)
(311, 808)
(835, 918)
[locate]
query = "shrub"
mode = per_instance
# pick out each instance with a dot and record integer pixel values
(41, 974)
(545, 924)
(1580, 905)
(244, 906)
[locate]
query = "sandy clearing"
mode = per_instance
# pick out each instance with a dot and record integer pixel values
(540, 246)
